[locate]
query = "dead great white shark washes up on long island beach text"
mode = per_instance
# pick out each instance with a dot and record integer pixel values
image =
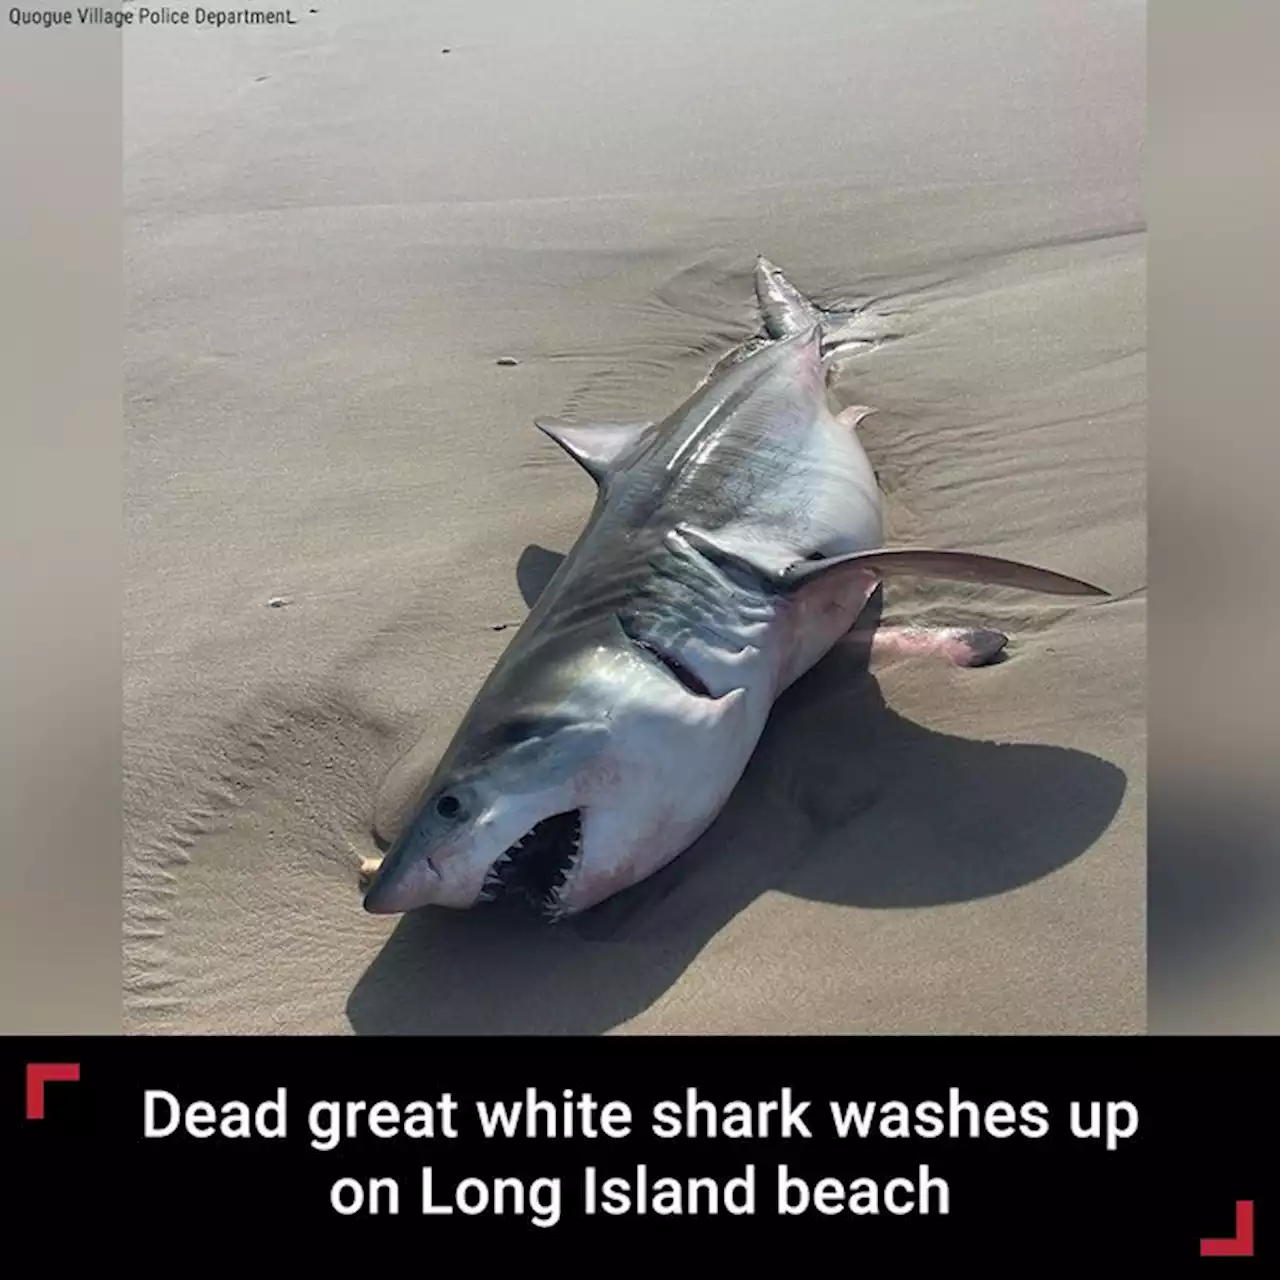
(731, 545)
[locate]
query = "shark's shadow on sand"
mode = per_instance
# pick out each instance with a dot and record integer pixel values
(844, 802)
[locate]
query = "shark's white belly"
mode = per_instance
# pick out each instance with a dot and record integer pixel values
(673, 764)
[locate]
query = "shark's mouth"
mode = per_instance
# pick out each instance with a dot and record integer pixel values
(536, 869)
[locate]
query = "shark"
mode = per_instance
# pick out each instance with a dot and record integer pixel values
(730, 546)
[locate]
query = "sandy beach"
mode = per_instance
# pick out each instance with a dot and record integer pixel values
(338, 509)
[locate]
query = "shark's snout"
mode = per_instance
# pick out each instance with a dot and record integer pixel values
(402, 885)
(535, 870)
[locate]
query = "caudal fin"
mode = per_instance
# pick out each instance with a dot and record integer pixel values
(785, 310)
(787, 313)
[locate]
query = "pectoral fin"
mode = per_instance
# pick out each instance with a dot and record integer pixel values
(785, 574)
(954, 566)
(757, 562)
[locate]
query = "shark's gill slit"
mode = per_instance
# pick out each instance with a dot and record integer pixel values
(673, 665)
(537, 867)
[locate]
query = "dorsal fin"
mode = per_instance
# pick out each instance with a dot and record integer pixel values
(595, 446)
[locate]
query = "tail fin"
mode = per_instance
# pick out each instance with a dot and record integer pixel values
(785, 309)
(787, 312)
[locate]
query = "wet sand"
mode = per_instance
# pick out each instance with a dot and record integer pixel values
(334, 232)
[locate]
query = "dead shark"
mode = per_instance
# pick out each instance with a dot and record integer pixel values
(730, 546)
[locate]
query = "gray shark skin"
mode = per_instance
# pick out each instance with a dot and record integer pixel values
(730, 546)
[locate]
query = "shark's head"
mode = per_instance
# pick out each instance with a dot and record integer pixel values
(501, 817)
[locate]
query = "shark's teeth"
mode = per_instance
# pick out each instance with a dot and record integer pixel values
(538, 867)
(553, 904)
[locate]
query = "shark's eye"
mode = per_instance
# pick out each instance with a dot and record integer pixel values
(448, 806)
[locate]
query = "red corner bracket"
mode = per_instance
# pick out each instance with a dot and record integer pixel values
(1238, 1246)
(40, 1074)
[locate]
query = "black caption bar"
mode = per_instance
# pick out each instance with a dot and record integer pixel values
(1132, 1149)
